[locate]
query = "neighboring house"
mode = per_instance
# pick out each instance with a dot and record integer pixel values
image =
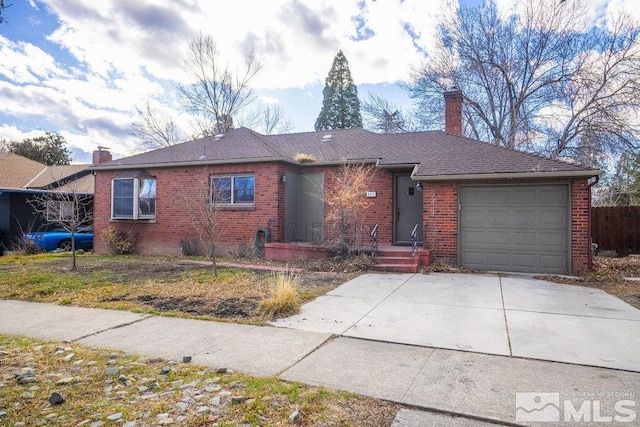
(480, 206)
(23, 179)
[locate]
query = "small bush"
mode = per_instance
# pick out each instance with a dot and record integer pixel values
(188, 248)
(30, 247)
(118, 243)
(244, 251)
(284, 299)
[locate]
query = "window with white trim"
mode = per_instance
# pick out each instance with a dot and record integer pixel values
(133, 198)
(233, 189)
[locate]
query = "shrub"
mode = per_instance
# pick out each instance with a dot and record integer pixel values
(117, 242)
(188, 247)
(284, 299)
(243, 251)
(30, 247)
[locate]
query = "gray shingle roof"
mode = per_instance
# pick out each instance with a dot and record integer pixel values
(436, 154)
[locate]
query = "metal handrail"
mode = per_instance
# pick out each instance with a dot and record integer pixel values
(414, 240)
(374, 240)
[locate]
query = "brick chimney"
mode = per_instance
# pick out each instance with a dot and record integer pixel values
(101, 155)
(453, 112)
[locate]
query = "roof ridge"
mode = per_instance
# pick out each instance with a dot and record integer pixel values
(36, 177)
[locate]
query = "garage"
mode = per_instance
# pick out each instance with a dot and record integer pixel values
(523, 228)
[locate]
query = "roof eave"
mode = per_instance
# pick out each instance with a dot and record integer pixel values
(228, 162)
(515, 175)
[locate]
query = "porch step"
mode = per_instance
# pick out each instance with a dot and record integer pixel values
(398, 260)
(393, 260)
(396, 268)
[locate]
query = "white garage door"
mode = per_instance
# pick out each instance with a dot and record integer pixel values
(523, 228)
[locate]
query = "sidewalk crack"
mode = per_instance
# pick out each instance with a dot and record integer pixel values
(504, 312)
(122, 325)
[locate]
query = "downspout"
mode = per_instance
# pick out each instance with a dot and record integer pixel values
(590, 259)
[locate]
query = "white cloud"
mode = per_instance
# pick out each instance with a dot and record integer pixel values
(269, 100)
(117, 54)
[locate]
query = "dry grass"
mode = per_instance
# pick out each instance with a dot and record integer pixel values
(91, 395)
(304, 158)
(157, 285)
(609, 274)
(284, 299)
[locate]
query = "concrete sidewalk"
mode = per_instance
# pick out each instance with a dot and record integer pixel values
(470, 384)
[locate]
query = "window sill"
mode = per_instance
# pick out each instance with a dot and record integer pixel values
(236, 207)
(143, 220)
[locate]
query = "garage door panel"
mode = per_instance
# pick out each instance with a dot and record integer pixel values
(475, 259)
(499, 218)
(524, 197)
(515, 228)
(554, 218)
(475, 198)
(473, 237)
(474, 217)
(497, 198)
(524, 218)
(500, 260)
(553, 241)
(552, 262)
(524, 261)
(525, 238)
(551, 196)
(499, 237)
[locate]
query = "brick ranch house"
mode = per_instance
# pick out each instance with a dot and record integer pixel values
(480, 206)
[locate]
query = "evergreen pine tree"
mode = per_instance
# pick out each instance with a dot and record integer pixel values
(340, 104)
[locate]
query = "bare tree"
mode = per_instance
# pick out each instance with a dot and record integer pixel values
(219, 91)
(3, 18)
(273, 120)
(383, 116)
(345, 201)
(203, 209)
(622, 187)
(68, 208)
(155, 128)
(540, 79)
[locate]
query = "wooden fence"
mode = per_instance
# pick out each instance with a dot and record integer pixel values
(616, 228)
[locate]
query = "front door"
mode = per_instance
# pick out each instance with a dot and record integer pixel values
(407, 209)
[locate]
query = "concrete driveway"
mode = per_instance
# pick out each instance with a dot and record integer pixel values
(509, 315)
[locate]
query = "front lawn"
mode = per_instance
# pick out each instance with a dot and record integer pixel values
(159, 285)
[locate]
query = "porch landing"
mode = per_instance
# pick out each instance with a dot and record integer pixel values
(397, 259)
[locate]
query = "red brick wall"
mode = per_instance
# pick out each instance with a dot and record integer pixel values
(440, 212)
(163, 235)
(580, 226)
(441, 215)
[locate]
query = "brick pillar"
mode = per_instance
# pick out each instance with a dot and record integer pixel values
(453, 112)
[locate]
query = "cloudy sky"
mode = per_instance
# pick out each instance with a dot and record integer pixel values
(78, 67)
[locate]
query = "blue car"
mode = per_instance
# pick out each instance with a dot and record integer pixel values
(61, 239)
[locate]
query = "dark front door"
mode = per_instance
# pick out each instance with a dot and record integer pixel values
(407, 209)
